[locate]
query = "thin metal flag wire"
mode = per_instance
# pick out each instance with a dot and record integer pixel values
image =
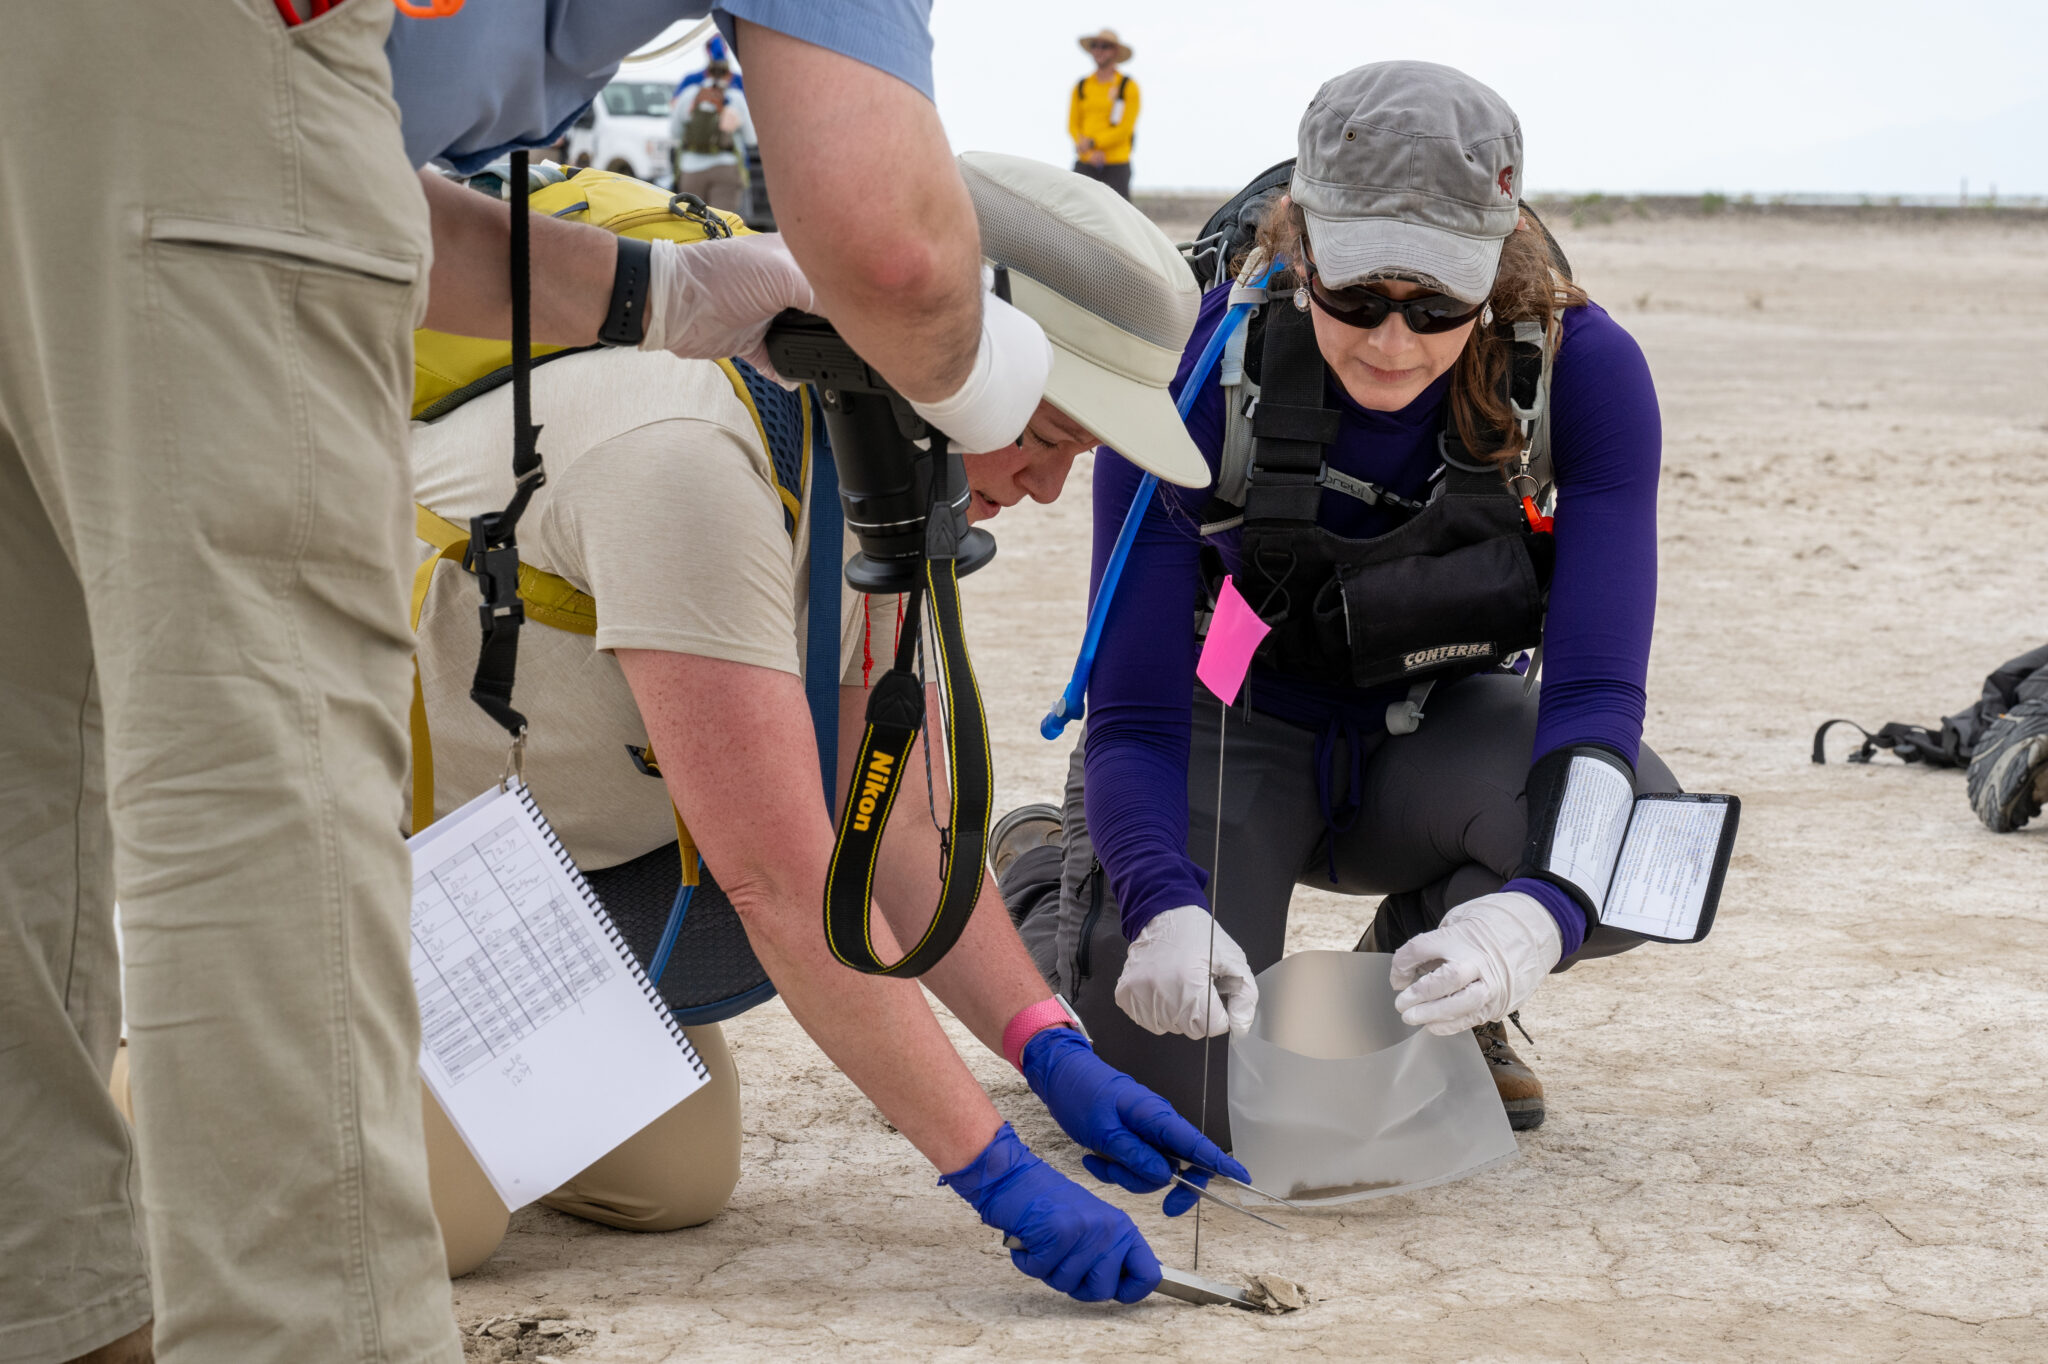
(1215, 904)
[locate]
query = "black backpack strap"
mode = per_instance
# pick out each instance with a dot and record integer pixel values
(1912, 743)
(1290, 425)
(493, 553)
(1523, 386)
(1861, 755)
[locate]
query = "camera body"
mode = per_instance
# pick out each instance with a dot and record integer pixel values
(903, 488)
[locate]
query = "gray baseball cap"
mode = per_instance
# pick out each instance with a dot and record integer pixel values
(1409, 168)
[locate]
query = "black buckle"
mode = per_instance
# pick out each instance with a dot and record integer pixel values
(496, 566)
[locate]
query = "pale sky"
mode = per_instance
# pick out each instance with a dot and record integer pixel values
(1879, 97)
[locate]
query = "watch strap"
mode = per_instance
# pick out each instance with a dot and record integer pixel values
(625, 323)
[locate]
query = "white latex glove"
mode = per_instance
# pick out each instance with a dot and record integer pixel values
(990, 409)
(1168, 985)
(1489, 956)
(707, 300)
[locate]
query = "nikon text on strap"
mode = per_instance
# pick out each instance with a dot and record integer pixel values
(895, 714)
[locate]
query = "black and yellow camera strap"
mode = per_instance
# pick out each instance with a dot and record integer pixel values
(895, 715)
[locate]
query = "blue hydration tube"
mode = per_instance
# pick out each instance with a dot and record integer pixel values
(672, 929)
(1073, 704)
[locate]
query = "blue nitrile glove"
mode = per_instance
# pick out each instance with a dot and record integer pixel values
(1133, 1135)
(1073, 1240)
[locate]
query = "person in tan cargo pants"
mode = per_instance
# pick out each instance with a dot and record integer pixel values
(203, 485)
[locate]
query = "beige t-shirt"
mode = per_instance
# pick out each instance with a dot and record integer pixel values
(662, 505)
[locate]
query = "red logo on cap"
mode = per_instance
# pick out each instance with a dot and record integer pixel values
(1505, 176)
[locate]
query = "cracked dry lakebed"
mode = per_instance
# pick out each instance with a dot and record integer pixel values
(1817, 1135)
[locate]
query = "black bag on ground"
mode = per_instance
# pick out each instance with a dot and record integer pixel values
(1954, 741)
(2002, 739)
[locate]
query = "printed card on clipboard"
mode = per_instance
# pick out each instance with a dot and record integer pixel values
(1653, 864)
(540, 1035)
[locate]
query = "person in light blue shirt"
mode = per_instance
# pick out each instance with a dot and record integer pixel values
(515, 73)
(841, 102)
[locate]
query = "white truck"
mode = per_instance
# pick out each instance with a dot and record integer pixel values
(625, 129)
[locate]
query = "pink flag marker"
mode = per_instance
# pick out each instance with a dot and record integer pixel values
(1234, 632)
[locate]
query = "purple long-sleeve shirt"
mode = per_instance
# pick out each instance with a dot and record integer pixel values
(1606, 443)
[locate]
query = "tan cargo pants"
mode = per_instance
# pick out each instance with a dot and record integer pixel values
(678, 1171)
(212, 251)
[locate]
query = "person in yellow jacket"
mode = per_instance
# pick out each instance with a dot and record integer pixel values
(1102, 117)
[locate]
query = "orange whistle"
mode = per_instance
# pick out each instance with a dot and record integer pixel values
(1538, 522)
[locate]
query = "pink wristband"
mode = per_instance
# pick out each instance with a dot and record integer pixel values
(1029, 1022)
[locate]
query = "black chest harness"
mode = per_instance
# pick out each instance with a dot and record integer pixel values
(1459, 587)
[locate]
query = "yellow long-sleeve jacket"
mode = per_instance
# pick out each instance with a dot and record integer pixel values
(1090, 113)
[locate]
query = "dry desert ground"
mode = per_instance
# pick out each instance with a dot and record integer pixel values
(1819, 1135)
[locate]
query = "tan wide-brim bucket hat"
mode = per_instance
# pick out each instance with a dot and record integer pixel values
(1108, 35)
(1113, 295)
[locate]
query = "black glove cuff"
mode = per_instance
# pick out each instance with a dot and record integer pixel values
(1549, 781)
(626, 322)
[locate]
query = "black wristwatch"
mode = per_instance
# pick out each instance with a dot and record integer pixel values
(625, 323)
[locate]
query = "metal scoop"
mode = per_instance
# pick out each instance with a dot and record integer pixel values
(1175, 1283)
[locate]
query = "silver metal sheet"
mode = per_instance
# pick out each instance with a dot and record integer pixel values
(1176, 1283)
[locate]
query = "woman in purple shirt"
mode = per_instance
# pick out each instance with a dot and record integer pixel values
(1390, 529)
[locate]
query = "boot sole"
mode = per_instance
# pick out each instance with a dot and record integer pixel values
(1524, 1114)
(2006, 783)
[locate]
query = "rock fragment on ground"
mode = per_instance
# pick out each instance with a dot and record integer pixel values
(1277, 1294)
(524, 1335)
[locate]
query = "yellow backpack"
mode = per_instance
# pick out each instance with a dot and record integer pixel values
(450, 370)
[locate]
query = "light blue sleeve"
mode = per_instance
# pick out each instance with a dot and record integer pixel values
(512, 73)
(516, 73)
(890, 35)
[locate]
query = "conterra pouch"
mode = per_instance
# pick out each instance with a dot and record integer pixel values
(1334, 1099)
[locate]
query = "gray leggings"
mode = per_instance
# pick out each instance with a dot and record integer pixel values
(1440, 820)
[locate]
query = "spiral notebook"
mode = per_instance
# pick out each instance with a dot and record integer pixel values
(539, 1033)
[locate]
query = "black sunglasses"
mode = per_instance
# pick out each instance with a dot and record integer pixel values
(1360, 307)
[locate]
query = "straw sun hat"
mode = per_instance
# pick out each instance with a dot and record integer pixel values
(1108, 35)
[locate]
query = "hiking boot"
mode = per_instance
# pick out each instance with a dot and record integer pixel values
(1521, 1093)
(2008, 777)
(1018, 832)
